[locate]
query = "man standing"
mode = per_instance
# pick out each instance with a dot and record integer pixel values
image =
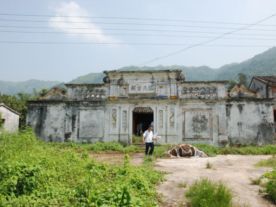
(148, 139)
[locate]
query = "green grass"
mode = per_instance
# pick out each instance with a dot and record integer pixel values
(100, 147)
(271, 162)
(137, 139)
(242, 150)
(270, 186)
(204, 193)
(161, 150)
(35, 173)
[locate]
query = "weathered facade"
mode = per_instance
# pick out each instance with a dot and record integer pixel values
(265, 86)
(9, 118)
(128, 101)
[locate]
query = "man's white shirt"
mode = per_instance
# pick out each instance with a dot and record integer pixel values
(148, 136)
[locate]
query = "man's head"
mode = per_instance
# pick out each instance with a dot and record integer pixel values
(150, 128)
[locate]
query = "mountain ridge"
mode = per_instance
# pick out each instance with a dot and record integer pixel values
(259, 65)
(29, 86)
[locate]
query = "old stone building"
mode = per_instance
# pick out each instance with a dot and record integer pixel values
(9, 118)
(265, 86)
(128, 101)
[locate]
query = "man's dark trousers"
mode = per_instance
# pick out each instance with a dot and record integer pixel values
(149, 148)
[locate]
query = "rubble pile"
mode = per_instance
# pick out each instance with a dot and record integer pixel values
(186, 150)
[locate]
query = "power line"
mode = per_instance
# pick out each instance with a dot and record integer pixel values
(210, 40)
(113, 29)
(129, 23)
(136, 34)
(129, 18)
(120, 43)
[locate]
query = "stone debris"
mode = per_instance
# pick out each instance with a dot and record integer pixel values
(186, 150)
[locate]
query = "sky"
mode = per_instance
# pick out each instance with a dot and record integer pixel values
(61, 40)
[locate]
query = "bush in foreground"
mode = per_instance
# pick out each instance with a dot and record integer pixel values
(35, 173)
(204, 193)
(270, 185)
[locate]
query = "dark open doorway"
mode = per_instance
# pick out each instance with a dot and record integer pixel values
(275, 120)
(142, 119)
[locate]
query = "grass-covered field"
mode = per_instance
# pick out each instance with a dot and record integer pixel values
(35, 173)
(160, 150)
(242, 150)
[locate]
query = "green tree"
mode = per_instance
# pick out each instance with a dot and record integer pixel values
(18, 103)
(43, 92)
(242, 79)
(231, 84)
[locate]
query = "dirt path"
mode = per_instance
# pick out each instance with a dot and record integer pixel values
(236, 171)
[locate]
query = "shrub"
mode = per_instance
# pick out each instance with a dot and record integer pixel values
(106, 146)
(204, 193)
(270, 187)
(18, 179)
(35, 173)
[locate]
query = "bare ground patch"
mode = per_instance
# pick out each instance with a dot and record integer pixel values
(236, 171)
(117, 157)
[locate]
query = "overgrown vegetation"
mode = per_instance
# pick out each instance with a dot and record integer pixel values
(100, 147)
(204, 193)
(242, 150)
(19, 101)
(104, 147)
(271, 162)
(270, 185)
(161, 150)
(240, 79)
(35, 173)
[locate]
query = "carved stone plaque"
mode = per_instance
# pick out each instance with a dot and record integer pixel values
(197, 124)
(91, 124)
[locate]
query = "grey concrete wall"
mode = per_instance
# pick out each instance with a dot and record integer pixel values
(203, 122)
(250, 122)
(11, 120)
(47, 120)
(67, 122)
(176, 121)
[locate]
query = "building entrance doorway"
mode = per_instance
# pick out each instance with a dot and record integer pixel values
(275, 120)
(142, 119)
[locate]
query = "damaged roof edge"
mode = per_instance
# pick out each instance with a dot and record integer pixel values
(219, 81)
(84, 84)
(10, 109)
(229, 99)
(140, 71)
(269, 80)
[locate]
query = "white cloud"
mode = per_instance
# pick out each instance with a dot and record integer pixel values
(69, 16)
